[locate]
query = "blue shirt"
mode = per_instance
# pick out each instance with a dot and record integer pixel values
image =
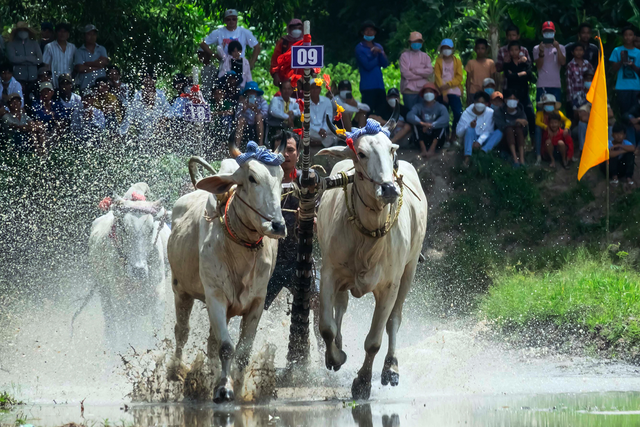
(625, 142)
(627, 78)
(370, 66)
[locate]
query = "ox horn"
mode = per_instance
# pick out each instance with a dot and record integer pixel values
(393, 120)
(332, 128)
(233, 149)
(193, 169)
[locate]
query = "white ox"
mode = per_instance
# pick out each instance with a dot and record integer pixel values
(128, 259)
(214, 258)
(359, 263)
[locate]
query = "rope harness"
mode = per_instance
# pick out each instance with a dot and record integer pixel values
(228, 231)
(117, 243)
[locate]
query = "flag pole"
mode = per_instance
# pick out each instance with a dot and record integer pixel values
(607, 169)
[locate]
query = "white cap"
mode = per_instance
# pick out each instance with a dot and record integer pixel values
(488, 81)
(230, 12)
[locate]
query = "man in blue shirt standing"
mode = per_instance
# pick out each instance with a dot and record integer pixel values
(371, 60)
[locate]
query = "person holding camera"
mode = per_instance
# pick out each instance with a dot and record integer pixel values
(625, 61)
(549, 57)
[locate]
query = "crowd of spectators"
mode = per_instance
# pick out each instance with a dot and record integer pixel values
(52, 88)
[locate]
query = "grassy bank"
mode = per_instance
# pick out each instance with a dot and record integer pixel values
(598, 299)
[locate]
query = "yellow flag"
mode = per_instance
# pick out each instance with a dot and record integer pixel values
(596, 143)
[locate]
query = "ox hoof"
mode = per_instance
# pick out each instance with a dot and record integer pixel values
(335, 363)
(361, 389)
(390, 373)
(177, 371)
(222, 394)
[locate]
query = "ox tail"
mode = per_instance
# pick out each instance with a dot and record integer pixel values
(84, 304)
(193, 169)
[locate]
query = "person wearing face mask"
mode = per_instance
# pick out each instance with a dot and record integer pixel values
(294, 34)
(251, 114)
(235, 62)
(399, 135)
(371, 60)
(549, 57)
(477, 128)
(576, 93)
(24, 53)
(518, 76)
(9, 84)
(489, 85)
(448, 79)
(480, 70)
(511, 120)
(547, 106)
(415, 70)
(355, 113)
(431, 119)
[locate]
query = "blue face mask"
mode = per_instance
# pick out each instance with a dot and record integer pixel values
(549, 108)
(416, 46)
(369, 38)
(489, 91)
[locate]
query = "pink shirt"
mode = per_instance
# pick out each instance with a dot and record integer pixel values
(414, 65)
(549, 74)
(448, 73)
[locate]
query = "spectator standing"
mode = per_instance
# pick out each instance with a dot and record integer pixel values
(448, 79)
(550, 57)
(415, 70)
(431, 119)
(511, 120)
(252, 112)
(24, 53)
(576, 91)
(46, 34)
(355, 113)
(294, 35)
(9, 84)
(590, 50)
(477, 128)
(480, 69)
(209, 73)
(518, 76)
(233, 61)
(403, 128)
(225, 35)
(18, 125)
(626, 63)
(320, 108)
(371, 60)
(283, 109)
(90, 59)
(621, 156)
(557, 142)
(504, 55)
(59, 53)
(116, 87)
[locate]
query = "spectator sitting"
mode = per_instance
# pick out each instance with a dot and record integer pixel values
(251, 113)
(90, 59)
(480, 71)
(488, 85)
(44, 76)
(320, 108)
(224, 35)
(91, 122)
(583, 117)
(24, 53)
(283, 109)
(547, 106)
(633, 123)
(371, 60)
(504, 54)
(222, 113)
(233, 61)
(46, 34)
(116, 87)
(557, 141)
(511, 120)
(477, 127)
(43, 112)
(550, 57)
(69, 104)
(355, 113)
(590, 51)
(107, 103)
(576, 93)
(621, 156)
(497, 100)
(20, 127)
(9, 84)
(403, 128)
(180, 85)
(448, 72)
(518, 76)
(431, 119)
(415, 70)
(626, 63)
(230, 83)
(59, 53)
(294, 35)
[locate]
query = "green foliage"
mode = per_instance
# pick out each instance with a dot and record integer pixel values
(7, 401)
(588, 293)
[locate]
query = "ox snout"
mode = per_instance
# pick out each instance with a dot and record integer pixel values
(279, 228)
(139, 272)
(389, 192)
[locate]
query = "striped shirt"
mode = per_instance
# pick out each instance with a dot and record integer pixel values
(61, 62)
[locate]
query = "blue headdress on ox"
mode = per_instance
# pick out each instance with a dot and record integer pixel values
(371, 128)
(261, 154)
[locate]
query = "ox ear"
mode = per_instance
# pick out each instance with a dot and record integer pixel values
(340, 152)
(217, 184)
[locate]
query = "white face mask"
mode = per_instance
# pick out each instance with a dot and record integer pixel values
(344, 93)
(512, 103)
(429, 96)
(392, 102)
(447, 52)
(23, 35)
(296, 33)
(548, 34)
(252, 99)
(479, 107)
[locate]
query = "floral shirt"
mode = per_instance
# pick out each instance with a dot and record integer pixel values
(576, 92)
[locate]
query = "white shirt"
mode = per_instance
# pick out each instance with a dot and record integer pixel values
(61, 62)
(484, 123)
(75, 105)
(83, 125)
(14, 87)
(318, 113)
(222, 37)
(144, 117)
(276, 109)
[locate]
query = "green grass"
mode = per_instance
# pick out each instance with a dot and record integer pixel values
(7, 401)
(597, 295)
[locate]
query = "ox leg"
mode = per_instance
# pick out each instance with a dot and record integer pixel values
(342, 301)
(177, 371)
(248, 328)
(334, 357)
(390, 372)
(220, 340)
(385, 300)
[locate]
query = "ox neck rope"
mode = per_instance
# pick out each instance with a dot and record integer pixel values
(255, 246)
(392, 217)
(117, 243)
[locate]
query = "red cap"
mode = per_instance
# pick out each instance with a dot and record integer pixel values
(548, 25)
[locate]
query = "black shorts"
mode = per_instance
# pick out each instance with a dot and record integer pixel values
(428, 136)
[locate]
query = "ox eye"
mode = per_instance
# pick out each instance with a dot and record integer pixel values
(252, 180)
(362, 156)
